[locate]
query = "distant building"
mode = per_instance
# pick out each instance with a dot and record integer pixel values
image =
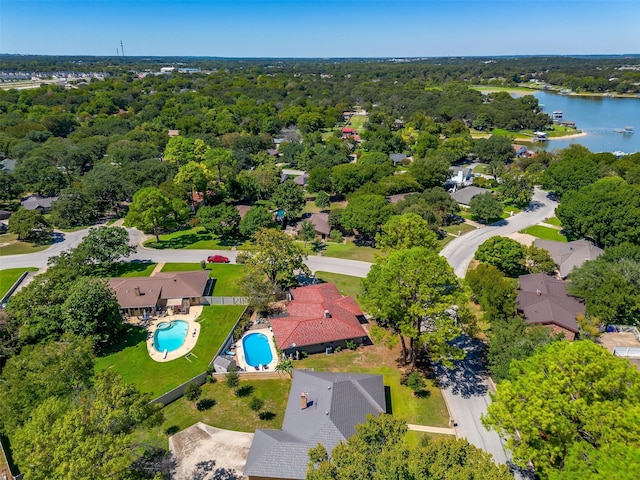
(173, 133)
(323, 407)
(569, 255)
(320, 223)
(36, 202)
(461, 176)
(397, 158)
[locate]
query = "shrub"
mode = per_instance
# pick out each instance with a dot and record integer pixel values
(336, 236)
(256, 404)
(351, 344)
(415, 381)
(337, 349)
(232, 378)
(203, 264)
(205, 404)
(377, 333)
(192, 391)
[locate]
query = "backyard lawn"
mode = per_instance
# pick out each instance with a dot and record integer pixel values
(131, 359)
(227, 276)
(346, 284)
(358, 121)
(229, 412)
(546, 233)
(10, 276)
(191, 239)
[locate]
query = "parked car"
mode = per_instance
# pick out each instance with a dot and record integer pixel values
(217, 259)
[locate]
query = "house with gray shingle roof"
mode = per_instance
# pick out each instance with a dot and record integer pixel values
(464, 195)
(323, 407)
(36, 202)
(569, 255)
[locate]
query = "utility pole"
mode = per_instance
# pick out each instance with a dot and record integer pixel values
(122, 49)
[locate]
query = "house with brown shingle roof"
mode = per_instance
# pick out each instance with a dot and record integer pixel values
(544, 300)
(320, 223)
(317, 317)
(176, 290)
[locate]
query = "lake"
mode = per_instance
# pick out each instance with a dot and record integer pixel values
(599, 117)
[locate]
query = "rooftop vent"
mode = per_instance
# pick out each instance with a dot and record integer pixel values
(303, 400)
(538, 292)
(136, 291)
(327, 314)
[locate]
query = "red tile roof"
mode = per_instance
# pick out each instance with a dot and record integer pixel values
(306, 323)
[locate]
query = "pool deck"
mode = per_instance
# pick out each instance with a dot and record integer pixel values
(240, 358)
(193, 332)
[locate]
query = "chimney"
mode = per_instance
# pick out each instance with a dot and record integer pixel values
(303, 400)
(538, 292)
(327, 314)
(136, 291)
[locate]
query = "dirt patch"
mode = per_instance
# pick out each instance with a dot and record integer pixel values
(202, 443)
(522, 238)
(609, 340)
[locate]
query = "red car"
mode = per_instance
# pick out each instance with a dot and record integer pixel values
(217, 259)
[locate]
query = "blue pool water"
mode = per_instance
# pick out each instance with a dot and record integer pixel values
(170, 336)
(256, 349)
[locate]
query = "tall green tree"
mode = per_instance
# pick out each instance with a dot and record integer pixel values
(504, 253)
(407, 231)
(149, 211)
(222, 220)
(496, 148)
(572, 409)
(485, 207)
(100, 251)
(416, 294)
(30, 226)
(256, 218)
(289, 196)
(366, 214)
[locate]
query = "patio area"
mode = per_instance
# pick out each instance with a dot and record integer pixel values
(193, 332)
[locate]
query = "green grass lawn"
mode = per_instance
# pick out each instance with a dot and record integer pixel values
(191, 239)
(227, 276)
(131, 359)
(545, 233)
(346, 284)
(11, 246)
(459, 229)
(358, 122)
(350, 251)
(481, 168)
(553, 221)
(506, 213)
(428, 409)
(229, 412)
(134, 269)
(311, 207)
(10, 276)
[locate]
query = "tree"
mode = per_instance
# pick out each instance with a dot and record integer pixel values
(431, 171)
(99, 252)
(415, 381)
(515, 190)
(366, 214)
(219, 159)
(538, 260)
(484, 207)
(492, 291)
(222, 220)
(323, 200)
(232, 378)
(567, 405)
(378, 450)
(30, 225)
(256, 218)
(569, 174)
(608, 211)
(276, 257)
(53, 369)
(416, 294)
(289, 196)
(319, 180)
(84, 437)
(256, 404)
(307, 231)
(149, 210)
(610, 285)
(192, 391)
(496, 148)
(92, 310)
(406, 231)
(504, 253)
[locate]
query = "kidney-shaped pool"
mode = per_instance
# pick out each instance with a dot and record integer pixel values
(170, 336)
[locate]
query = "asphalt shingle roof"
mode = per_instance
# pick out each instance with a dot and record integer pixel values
(464, 195)
(336, 402)
(568, 256)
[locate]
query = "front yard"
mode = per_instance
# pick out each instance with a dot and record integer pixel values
(545, 233)
(227, 276)
(10, 245)
(191, 239)
(131, 360)
(10, 276)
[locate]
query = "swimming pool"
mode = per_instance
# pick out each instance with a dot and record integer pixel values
(170, 336)
(257, 350)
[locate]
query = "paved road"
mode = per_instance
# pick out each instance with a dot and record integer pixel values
(460, 251)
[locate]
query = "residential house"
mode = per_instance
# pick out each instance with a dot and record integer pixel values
(8, 165)
(320, 222)
(243, 209)
(544, 300)
(461, 176)
(173, 133)
(348, 132)
(317, 317)
(397, 158)
(520, 150)
(464, 195)
(175, 290)
(323, 407)
(36, 202)
(569, 255)
(399, 197)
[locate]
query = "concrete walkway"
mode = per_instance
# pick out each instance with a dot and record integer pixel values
(157, 269)
(424, 428)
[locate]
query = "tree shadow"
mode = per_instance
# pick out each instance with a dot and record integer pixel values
(205, 404)
(130, 336)
(266, 416)
(387, 399)
(172, 430)
(207, 471)
(422, 393)
(134, 266)
(468, 376)
(244, 391)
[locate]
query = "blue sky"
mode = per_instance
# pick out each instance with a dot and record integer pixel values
(327, 28)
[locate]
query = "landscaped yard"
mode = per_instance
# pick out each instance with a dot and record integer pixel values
(131, 359)
(134, 269)
(229, 412)
(350, 251)
(227, 276)
(9, 245)
(346, 284)
(553, 221)
(545, 233)
(10, 276)
(191, 239)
